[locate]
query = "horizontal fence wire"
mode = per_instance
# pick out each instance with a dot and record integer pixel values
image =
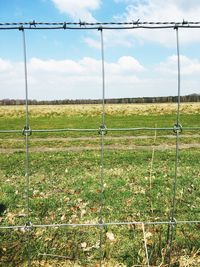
(97, 130)
(56, 225)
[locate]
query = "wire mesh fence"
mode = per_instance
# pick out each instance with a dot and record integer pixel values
(171, 224)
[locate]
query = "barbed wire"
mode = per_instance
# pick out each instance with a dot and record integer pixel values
(34, 25)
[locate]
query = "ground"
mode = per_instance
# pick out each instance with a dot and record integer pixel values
(65, 185)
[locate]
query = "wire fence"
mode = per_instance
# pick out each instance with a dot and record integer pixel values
(102, 130)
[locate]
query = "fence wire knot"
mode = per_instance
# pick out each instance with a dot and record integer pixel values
(21, 28)
(177, 128)
(28, 226)
(100, 28)
(26, 130)
(100, 223)
(176, 26)
(102, 129)
(173, 222)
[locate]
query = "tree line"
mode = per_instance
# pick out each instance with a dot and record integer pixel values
(129, 100)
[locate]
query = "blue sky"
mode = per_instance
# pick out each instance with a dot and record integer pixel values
(66, 64)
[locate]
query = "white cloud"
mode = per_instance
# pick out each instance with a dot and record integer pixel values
(162, 10)
(125, 65)
(152, 10)
(78, 9)
(125, 77)
(111, 38)
(5, 65)
(61, 66)
(92, 42)
(85, 66)
(188, 66)
(59, 79)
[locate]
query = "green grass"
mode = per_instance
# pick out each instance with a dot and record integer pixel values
(136, 121)
(65, 187)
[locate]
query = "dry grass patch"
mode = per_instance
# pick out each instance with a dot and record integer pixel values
(96, 109)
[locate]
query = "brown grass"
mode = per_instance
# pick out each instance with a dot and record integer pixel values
(96, 109)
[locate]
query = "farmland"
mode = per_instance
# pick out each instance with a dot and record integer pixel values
(65, 185)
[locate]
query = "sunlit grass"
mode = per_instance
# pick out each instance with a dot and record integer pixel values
(65, 186)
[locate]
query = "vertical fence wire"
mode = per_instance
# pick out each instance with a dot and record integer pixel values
(178, 77)
(26, 132)
(151, 170)
(102, 132)
(171, 228)
(152, 159)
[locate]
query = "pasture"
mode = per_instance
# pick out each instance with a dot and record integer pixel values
(65, 185)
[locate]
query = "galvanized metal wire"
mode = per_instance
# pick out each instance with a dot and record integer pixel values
(152, 161)
(27, 143)
(173, 209)
(127, 223)
(82, 25)
(102, 132)
(95, 130)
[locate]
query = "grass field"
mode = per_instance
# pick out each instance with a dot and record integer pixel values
(65, 185)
